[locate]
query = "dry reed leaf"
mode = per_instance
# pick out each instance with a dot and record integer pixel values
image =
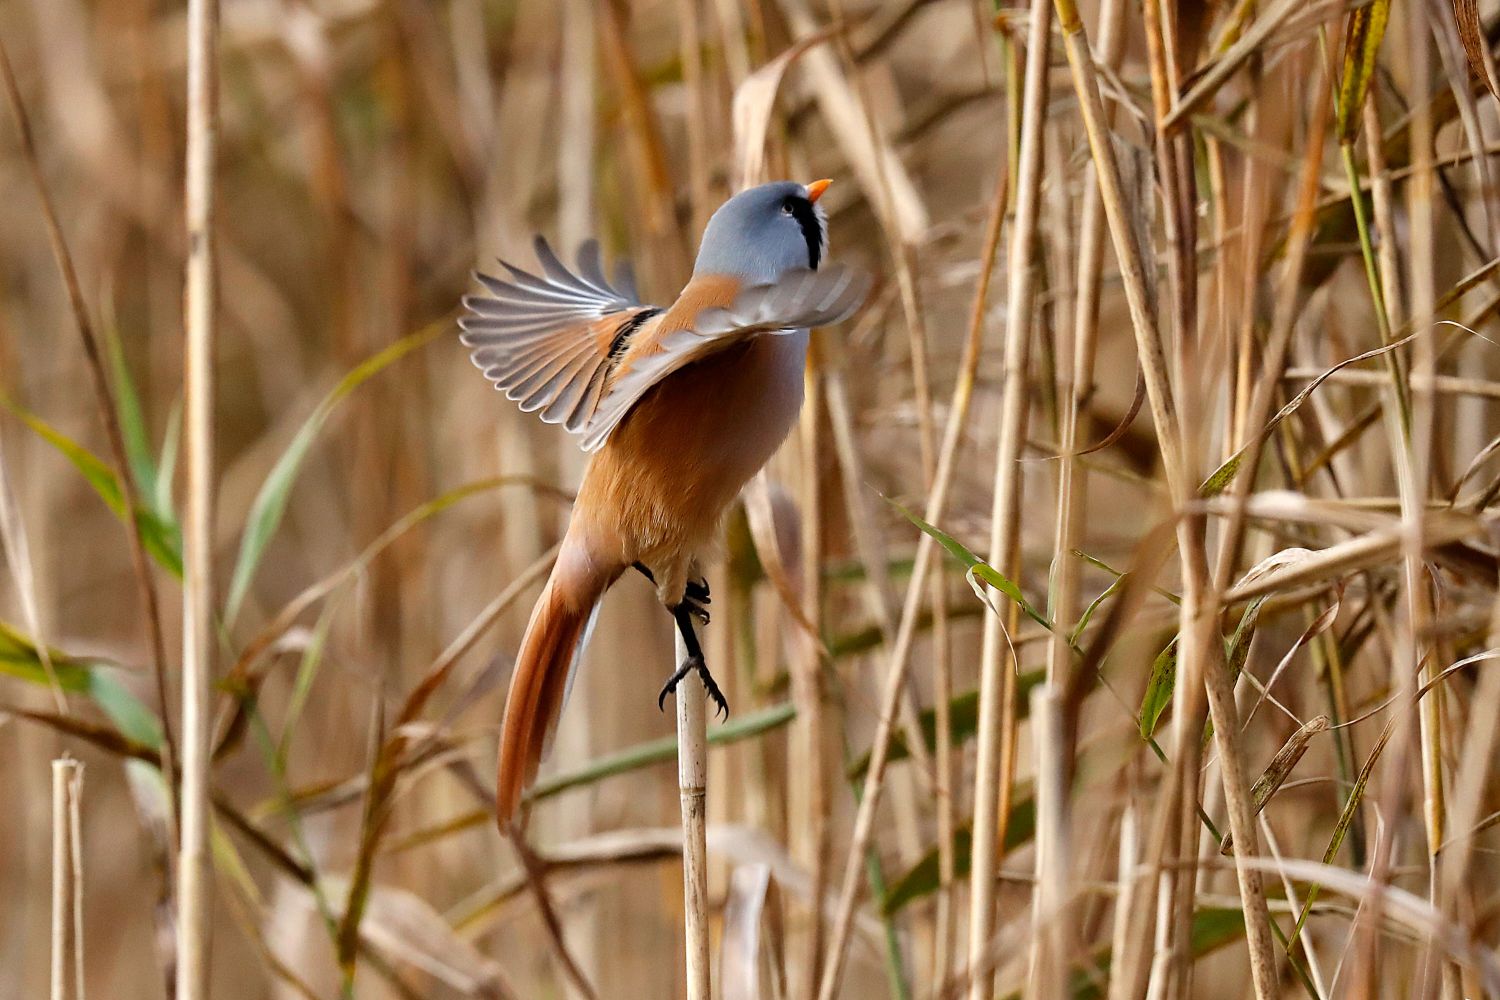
(1404, 906)
(1220, 479)
(740, 845)
(739, 948)
(1278, 769)
(774, 531)
(405, 927)
(1320, 624)
(1476, 44)
(1361, 552)
(1217, 72)
(754, 101)
(17, 551)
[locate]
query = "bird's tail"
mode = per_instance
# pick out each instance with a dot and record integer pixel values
(554, 641)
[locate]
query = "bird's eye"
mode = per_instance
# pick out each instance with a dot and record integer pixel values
(786, 207)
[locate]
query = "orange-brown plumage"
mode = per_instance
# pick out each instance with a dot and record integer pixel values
(680, 406)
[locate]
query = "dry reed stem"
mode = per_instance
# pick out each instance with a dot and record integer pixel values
(692, 777)
(933, 513)
(534, 875)
(996, 733)
(1414, 474)
(902, 247)
(809, 802)
(67, 880)
(104, 398)
(1051, 946)
(1201, 654)
(195, 866)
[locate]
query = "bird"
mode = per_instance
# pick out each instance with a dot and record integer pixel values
(677, 407)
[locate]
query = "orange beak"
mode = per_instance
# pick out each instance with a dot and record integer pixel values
(816, 188)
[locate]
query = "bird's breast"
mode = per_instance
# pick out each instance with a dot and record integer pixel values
(682, 454)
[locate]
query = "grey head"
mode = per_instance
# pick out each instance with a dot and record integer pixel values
(763, 232)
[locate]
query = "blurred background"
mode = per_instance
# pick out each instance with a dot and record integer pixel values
(385, 517)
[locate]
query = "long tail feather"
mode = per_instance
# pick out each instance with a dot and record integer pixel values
(543, 677)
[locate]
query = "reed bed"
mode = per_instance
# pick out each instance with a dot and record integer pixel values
(1120, 621)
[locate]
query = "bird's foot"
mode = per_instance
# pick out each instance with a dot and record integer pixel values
(691, 664)
(695, 596)
(695, 607)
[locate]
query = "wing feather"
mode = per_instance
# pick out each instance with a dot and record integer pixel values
(545, 340)
(800, 299)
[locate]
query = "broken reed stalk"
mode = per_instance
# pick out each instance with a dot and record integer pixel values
(67, 880)
(195, 871)
(997, 687)
(692, 779)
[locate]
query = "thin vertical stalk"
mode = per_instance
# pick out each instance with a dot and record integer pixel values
(690, 49)
(692, 779)
(195, 872)
(1050, 941)
(104, 398)
(996, 733)
(1420, 194)
(67, 880)
(1123, 929)
(1072, 479)
(933, 512)
(1201, 655)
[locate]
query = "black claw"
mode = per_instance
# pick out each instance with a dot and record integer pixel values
(697, 592)
(688, 666)
(691, 664)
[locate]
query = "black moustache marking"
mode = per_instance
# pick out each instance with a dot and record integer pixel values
(802, 210)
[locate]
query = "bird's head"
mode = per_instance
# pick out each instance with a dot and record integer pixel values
(763, 232)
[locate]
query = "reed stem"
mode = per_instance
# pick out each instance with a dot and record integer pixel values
(692, 779)
(195, 871)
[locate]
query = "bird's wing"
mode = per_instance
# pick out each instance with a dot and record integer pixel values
(798, 300)
(549, 342)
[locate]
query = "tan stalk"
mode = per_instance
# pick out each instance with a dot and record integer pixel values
(67, 880)
(195, 866)
(692, 776)
(104, 398)
(1050, 945)
(1202, 650)
(933, 512)
(996, 734)
(1414, 475)
(808, 806)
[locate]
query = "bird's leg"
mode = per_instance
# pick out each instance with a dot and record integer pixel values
(683, 614)
(695, 595)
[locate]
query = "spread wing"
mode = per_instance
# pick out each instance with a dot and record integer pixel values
(798, 300)
(550, 342)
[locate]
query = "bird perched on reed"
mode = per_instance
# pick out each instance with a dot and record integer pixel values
(679, 406)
